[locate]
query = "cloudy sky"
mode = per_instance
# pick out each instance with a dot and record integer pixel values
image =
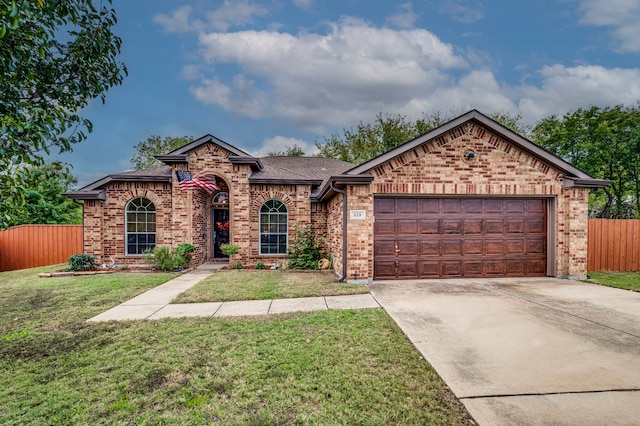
(264, 74)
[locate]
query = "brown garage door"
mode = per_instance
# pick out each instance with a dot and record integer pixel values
(446, 237)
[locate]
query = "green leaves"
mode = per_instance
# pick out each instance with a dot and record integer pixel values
(155, 145)
(55, 57)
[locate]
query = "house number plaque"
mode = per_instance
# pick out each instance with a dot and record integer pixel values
(357, 214)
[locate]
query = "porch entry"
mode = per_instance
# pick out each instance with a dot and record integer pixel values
(219, 225)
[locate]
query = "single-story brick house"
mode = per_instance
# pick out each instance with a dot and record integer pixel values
(470, 198)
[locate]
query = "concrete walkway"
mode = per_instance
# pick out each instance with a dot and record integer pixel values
(156, 303)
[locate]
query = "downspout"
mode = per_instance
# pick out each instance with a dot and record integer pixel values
(344, 230)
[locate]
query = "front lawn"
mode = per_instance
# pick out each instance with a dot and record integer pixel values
(225, 286)
(624, 280)
(330, 367)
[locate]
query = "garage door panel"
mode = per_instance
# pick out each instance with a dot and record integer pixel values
(472, 226)
(430, 248)
(451, 247)
(408, 269)
(472, 247)
(536, 226)
(516, 267)
(452, 268)
(385, 269)
(493, 206)
(451, 226)
(384, 227)
(494, 247)
(428, 269)
(472, 206)
(408, 248)
(430, 206)
(473, 268)
(407, 226)
(514, 206)
(536, 245)
(429, 226)
(384, 247)
(494, 226)
(447, 237)
(536, 267)
(515, 226)
(494, 267)
(515, 246)
(384, 206)
(451, 205)
(407, 206)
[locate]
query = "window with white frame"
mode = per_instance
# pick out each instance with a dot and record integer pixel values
(273, 227)
(141, 225)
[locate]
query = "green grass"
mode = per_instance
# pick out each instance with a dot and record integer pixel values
(330, 367)
(624, 280)
(260, 285)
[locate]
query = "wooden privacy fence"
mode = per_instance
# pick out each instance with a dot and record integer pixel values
(614, 245)
(28, 246)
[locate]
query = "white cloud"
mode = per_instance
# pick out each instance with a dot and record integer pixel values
(462, 12)
(303, 4)
(405, 18)
(236, 13)
(280, 143)
(351, 71)
(622, 16)
(355, 70)
(567, 88)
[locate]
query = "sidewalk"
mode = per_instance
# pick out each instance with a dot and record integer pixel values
(155, 303)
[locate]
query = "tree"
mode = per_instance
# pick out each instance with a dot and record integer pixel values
(604, 142)
(389, 131)
(43, 199)
(55, 57)
(288, 151)
(154, 145)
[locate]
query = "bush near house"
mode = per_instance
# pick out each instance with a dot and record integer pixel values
(167, 259)
(306, 248)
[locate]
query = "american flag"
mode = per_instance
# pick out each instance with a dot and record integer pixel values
(206, 183)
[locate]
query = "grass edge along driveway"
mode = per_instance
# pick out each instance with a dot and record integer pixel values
(337, 367)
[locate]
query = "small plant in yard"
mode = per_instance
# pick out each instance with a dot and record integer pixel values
(306, 249)
(82, 262)
(237, 265)
(229, 249)
(260, 265)
(167, 259)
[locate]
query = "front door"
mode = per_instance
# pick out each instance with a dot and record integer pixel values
(220, 232)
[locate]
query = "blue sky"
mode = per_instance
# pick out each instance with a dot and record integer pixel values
(264, 74)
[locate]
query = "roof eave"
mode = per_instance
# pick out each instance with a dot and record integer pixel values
(571, 182)
(253, 162)
(87, 195)
(326, 192)
(172, 159)
(285, 181)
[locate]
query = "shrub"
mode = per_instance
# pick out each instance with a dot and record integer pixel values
(183, 254)
(306, 249)
(229, 249)
(237, 265)
(260, 265)
(82, 262)
(167, 259)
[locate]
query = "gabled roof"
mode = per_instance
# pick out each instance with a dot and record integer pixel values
(180, 155)
(572, 173)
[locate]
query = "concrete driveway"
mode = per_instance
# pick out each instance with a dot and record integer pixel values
(535, 351)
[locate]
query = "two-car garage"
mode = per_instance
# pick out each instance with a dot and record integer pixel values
(459, 237)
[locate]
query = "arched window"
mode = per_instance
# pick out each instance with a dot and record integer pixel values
(273, 227)
(141, 225)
